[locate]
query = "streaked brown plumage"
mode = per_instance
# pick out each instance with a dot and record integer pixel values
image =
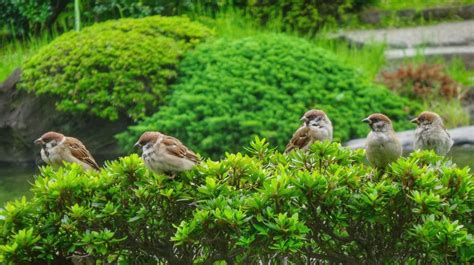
(316, 127)
(163, 153)
(57, 148)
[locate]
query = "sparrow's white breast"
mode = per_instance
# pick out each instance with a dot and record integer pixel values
(52, 154)
(382, 148)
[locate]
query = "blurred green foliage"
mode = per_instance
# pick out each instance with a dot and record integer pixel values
(324, 205)
(418, 4)
(29, 17)
(21, 17)
(305, 16)
(115, 67)
(25, 17)
(231, 90)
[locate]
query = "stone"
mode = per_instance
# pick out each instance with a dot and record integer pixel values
(24, 117)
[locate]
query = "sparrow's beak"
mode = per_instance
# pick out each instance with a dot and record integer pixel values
(38, 141)
(304, 119)
(137, 145)
(415, 120)
(366, 120)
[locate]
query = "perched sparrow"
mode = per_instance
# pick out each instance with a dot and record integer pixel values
(430, 133)
(316, 127)
(57, 148)
(382, 146)
(163, 153)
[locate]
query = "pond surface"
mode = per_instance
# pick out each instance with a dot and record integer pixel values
(15, 181)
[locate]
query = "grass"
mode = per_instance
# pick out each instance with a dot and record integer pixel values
(452, 112)
(13, 54)
(368, 59)
(234, 23)
(418, 4)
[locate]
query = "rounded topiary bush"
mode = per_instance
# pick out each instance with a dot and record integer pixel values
(122, 66)
(230, 90)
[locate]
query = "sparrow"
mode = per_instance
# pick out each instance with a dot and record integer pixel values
(57, 148)
(382, 146)
(430, 133)
(165, 154)
(316, 127)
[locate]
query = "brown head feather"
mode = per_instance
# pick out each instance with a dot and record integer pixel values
(379, 117)
(49, 136)
(428, 116)
(148, 137)
(314, 113)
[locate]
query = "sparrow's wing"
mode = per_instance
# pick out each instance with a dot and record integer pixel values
(79, 151)
(300, 139)
(450, 139)
(176, 148)
(446, 131)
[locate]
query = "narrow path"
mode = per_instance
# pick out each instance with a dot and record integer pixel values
(443, 34)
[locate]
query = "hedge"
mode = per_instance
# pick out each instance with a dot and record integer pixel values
(323, 206)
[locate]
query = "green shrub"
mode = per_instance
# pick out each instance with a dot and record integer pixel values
(122, 66)
(324, 205)
(230, 91)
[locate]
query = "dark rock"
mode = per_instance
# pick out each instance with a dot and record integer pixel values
(11, 81)
(24, 117)
(372, 17)
(466, 12)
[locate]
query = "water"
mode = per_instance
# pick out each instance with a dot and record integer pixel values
(463, 156)
(15, 181)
